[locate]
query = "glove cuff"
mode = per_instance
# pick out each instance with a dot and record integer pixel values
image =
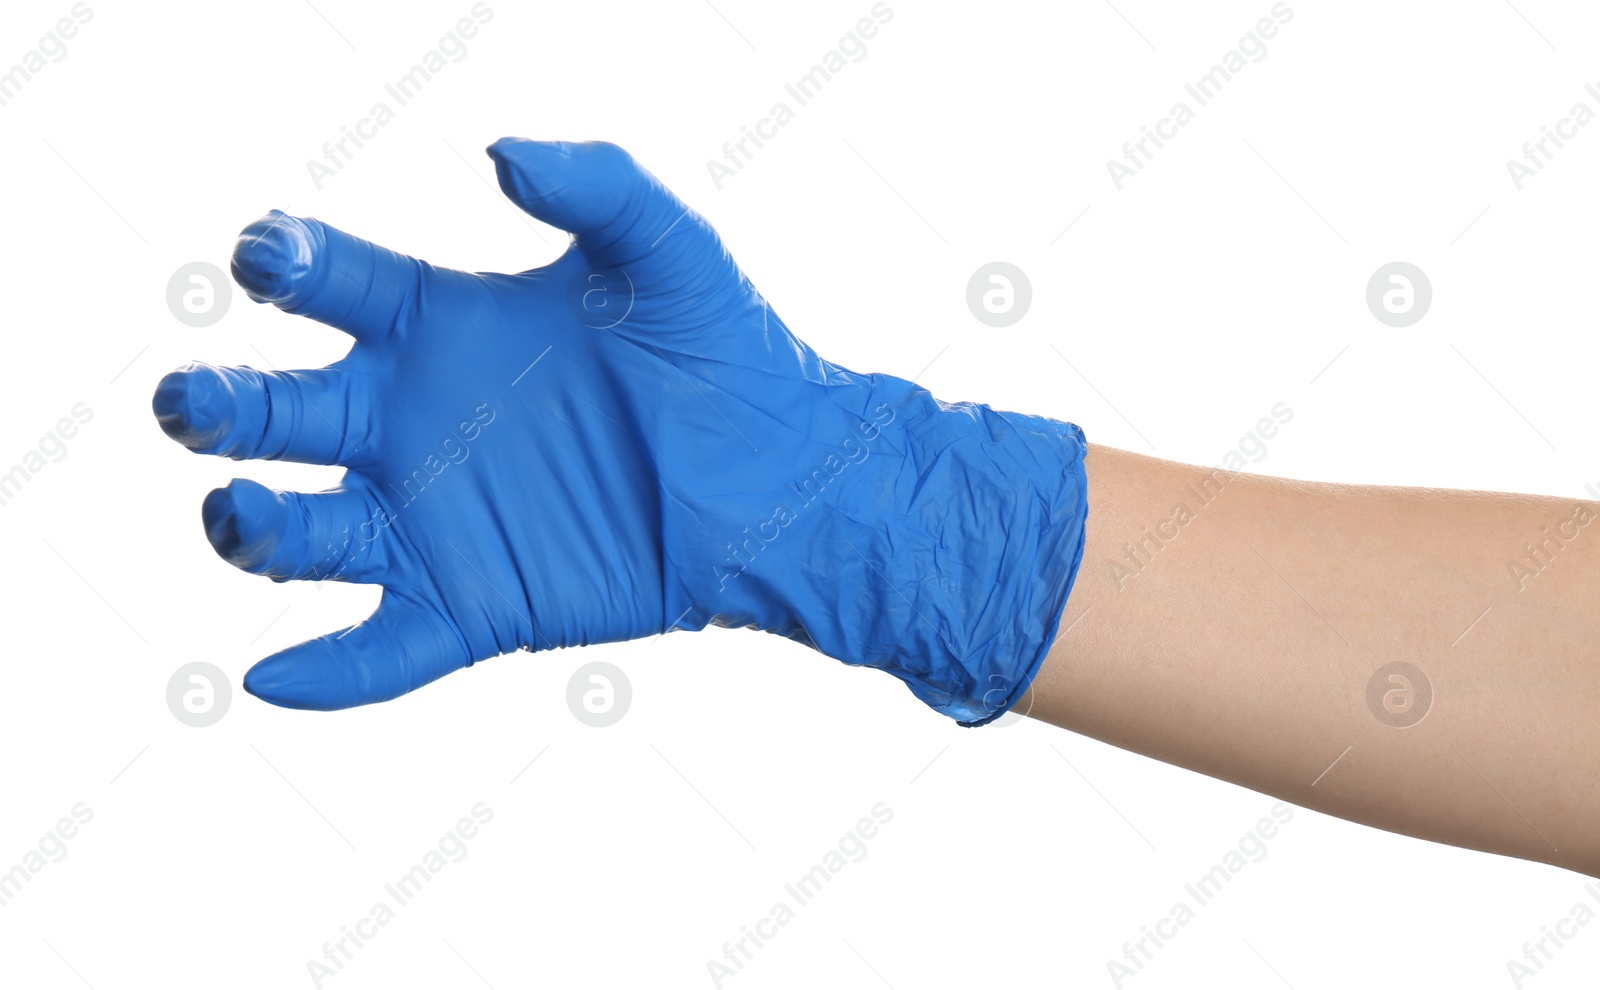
(935, 541)
(1012, 514)
(1042, 569)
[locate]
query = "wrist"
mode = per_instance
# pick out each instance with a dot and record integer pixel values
(934, 541)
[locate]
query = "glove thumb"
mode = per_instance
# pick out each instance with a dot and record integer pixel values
(620, 214)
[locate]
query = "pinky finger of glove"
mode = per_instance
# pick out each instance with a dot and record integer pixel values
(403, 646)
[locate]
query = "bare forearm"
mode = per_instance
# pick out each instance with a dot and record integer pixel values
(1236, 625)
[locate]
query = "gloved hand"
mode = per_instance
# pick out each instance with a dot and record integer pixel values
(626, 441)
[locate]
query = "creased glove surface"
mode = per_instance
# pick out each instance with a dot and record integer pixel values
(626, 441)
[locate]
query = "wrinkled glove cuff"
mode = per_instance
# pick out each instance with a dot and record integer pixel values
(1013, 510)
(936, 541)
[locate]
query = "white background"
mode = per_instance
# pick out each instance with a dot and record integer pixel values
(1220, 281)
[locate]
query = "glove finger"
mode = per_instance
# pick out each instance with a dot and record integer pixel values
(337, 535)
(622, 215)
(304, 416)
(305, 267)
(402, 647)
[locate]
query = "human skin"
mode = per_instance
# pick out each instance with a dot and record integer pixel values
(1243, 647)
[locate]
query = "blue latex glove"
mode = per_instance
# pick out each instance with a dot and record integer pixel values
(623, 442)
